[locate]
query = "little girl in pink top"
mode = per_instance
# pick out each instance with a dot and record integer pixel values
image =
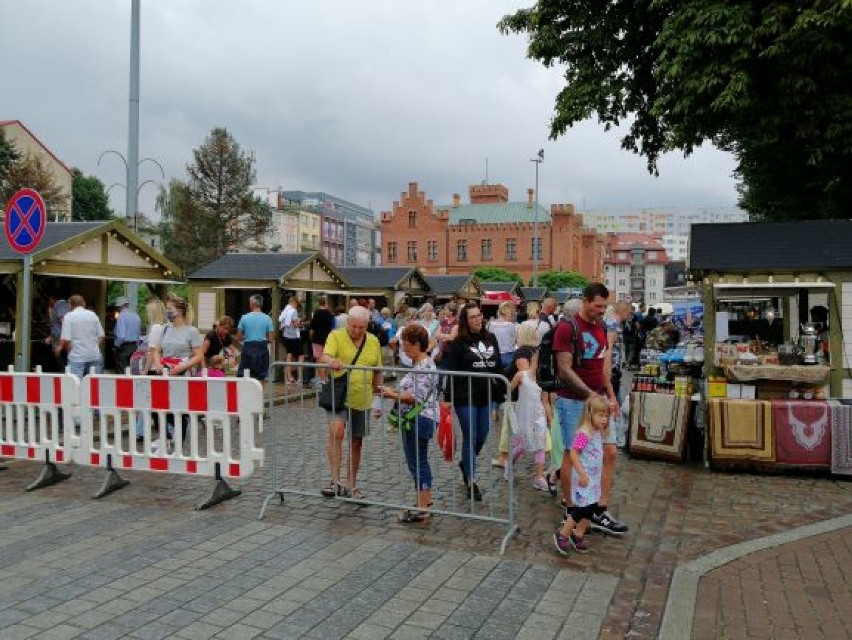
(217, 367)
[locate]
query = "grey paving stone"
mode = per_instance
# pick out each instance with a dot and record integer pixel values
(8, 617)
(286, 631)
(454, 632)
(105, 632)
(20, 631)
(305, 617)
(60, 632)
(239, 632)
(223, 617)
(154, 631)
(199, 631)
(410, 632)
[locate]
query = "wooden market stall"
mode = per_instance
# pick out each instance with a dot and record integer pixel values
(390, 286)
(533, 294)
(74, 257)
(455, 288)
(224, 286)
(778, 341)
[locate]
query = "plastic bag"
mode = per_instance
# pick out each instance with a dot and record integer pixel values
(446, 433)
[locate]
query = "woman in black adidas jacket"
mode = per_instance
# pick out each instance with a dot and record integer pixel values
(474, 350)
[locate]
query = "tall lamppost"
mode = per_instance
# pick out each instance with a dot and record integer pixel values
(538, 160)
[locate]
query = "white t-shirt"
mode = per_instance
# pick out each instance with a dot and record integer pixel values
(404, 360)
(82, 328)
(286, 321)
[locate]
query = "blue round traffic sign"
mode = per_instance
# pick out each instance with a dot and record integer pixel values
(26, 217)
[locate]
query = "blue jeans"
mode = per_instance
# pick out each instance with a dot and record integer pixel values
(415, 445)
(81, 369)
(475, 422)
(570, 413)
(506, 359)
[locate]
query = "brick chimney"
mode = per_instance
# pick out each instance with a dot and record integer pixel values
(530, 198)
(456, 200)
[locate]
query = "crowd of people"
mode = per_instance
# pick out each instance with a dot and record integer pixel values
(443, 354)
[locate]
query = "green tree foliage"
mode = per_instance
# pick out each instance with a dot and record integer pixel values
(89, 199)
(8, 157)
(214, 211)
(554, 280)
(493, 274)
(770, 81)
(29, 172)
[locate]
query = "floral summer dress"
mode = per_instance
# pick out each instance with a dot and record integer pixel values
(590, 448)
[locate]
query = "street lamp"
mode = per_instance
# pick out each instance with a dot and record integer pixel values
(538, 160)
(127, 173)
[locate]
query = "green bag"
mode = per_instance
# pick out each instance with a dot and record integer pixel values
(406, 419)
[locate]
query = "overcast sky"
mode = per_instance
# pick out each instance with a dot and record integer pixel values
(352, 98)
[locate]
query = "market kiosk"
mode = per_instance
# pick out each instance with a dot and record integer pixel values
(778, 300)
(224, 286)
(74, 257)
(389, 286)
(454, 288)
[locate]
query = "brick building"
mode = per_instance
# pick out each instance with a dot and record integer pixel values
(490, 231)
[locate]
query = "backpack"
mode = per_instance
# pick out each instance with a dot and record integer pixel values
(376, 329)
(546, 375)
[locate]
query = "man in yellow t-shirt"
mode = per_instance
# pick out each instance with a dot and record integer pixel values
(340, 349)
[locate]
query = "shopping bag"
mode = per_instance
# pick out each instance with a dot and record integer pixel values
(446, 434)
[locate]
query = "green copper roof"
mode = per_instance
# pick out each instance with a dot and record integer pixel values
(496, 213)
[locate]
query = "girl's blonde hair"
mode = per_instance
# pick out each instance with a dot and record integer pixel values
(527, 336)
(156, 311)
(217, 362)
(506, 309)
(595, 406)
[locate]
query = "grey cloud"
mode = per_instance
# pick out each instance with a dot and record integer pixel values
(352, 98)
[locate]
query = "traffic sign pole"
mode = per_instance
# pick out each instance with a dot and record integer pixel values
(24, 357)
(26, 218)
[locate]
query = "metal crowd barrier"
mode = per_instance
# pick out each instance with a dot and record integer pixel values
(298, 437)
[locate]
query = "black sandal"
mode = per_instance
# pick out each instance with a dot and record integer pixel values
(551, 483)
(413, 515)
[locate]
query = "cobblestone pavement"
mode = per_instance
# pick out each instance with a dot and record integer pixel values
(108, 570)
(676, 514)
(798, 590)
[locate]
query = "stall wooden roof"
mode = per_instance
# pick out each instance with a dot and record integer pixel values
(509, 287)
(780, 246)
(534, 293)
(378, 279)
(285, 268)
(101, 250)
(454, 284)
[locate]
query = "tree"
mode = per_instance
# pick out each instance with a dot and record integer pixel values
(89, 199)
(186, 239)
(9, 156)
(769, 81)
(30, 172)
(493, 274)
(214, 211)
(554, 280)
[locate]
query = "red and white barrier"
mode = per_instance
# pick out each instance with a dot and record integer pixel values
(112, 404)
(93, 422)
(37, 412)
